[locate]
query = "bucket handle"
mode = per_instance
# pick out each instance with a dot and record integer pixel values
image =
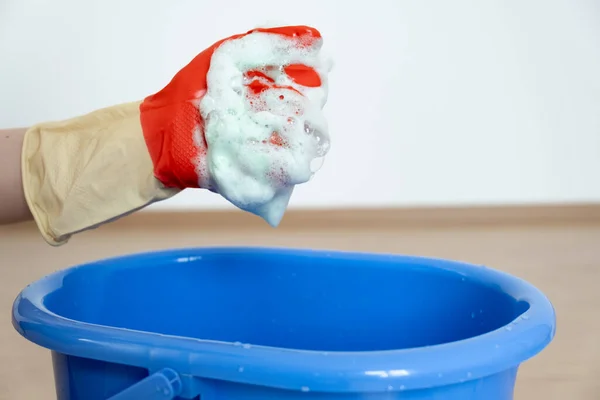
(162, 385)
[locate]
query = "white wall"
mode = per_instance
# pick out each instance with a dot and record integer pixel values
(432, 102)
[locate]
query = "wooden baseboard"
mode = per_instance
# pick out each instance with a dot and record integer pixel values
(382, 218)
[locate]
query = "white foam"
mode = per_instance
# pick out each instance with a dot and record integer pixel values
(241, 164)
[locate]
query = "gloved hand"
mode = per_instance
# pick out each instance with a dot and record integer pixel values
(89, 170)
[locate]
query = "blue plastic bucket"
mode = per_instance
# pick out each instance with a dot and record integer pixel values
(256, 324)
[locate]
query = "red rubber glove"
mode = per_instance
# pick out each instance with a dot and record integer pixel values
(171, 121)
(89, 170)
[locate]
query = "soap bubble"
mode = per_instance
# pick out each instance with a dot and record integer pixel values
(316, 164)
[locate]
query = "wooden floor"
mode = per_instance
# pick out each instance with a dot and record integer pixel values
(562, 259)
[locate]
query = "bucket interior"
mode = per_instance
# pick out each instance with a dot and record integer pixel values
(300, 302)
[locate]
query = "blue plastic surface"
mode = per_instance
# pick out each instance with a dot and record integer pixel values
(162, 385)
(256, 324)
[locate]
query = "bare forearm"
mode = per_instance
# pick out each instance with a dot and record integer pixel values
(13, 207)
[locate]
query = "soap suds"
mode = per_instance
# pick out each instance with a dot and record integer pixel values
(264, 128)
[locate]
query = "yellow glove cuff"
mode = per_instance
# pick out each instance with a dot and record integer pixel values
(85, 171)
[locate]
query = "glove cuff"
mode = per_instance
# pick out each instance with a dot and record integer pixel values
(86, 171)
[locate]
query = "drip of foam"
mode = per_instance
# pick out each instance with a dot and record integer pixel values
(261, 143)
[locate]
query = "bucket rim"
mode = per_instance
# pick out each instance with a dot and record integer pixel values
(294, 369)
